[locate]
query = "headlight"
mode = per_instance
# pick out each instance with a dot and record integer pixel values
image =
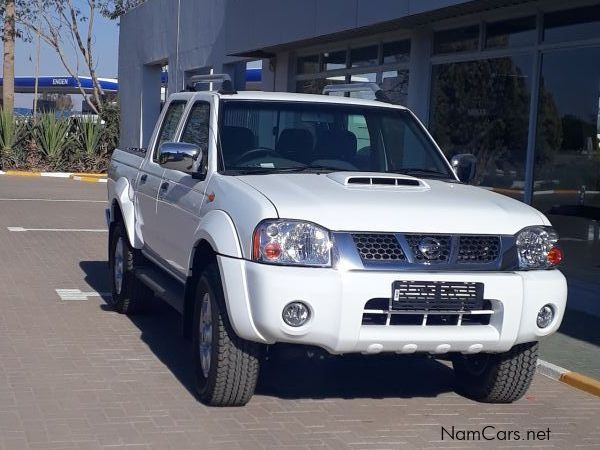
(291, 242)
(536, 247)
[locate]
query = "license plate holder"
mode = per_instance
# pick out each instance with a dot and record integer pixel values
(436, 296)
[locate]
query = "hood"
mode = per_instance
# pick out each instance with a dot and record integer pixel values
(348, 201)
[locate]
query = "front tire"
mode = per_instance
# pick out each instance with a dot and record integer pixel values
(226, 365)
(497, 378)
(129, 296)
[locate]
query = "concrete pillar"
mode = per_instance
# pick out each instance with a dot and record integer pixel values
(276, 73)
(150, 102)
(267, 75)
(419, 85)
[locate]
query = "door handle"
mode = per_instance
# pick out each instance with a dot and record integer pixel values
(164, 186)
(143, 178)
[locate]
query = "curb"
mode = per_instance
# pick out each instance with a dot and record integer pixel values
(573, 379)
(86, 177)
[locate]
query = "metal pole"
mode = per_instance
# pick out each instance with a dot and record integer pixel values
(37, 67)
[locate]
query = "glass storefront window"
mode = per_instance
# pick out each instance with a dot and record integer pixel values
(334, 60)
(396, 52)
(567, 158)
(363, 78)
(456, 40)
(316, 85)
(482, 107)
(511, 33)
(364, 56)
(395, 85)
(307, 64)
(573, 24)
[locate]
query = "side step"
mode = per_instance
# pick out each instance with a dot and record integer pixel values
(163, 285)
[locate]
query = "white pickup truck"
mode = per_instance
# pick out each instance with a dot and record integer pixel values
(332, 222)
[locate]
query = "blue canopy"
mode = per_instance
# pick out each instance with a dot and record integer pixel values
(65, 85)
(68, 85)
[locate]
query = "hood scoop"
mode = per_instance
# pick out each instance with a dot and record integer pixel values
(377, 180)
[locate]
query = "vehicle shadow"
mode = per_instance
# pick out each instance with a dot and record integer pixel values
(297, 377)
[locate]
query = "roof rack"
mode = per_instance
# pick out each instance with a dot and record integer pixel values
(358, 87)
(223, 78)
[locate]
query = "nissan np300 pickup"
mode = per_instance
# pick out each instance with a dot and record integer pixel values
(333, 222)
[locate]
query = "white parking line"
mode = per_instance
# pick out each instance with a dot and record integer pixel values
(85, 230)
(78, 294)
(50, 200)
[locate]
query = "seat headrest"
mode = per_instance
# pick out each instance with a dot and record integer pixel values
(295, 144)
(336, 144)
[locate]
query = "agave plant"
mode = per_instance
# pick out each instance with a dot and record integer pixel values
(52, 137)
(89, 135)
(10, 133)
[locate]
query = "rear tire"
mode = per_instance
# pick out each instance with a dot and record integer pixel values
(129, 296)
(226, 365)
(497, 378)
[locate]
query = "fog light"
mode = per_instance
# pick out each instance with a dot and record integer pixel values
(295, 314)
(545, 316)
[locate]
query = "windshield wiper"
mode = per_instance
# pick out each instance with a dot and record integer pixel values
(265, 170)
(426, 172)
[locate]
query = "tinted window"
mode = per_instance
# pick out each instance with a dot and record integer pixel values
(308, 64)
(457, 40)
(334, 60)
(196, 130)
(316, 86)
(511, 33)
(271, 136)
(567, 159)
(580, 23)
(395, 85)
(365, 56)
(169, 124)
(482, 107)
(396, 52)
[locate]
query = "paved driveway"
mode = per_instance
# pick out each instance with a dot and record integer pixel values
(75, 375)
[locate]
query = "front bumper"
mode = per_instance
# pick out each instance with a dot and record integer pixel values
(255, 295)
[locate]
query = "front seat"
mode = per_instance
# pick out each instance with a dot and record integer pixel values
(336, 148)
(295, 144)
(235, 141)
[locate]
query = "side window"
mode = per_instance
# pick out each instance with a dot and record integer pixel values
(196, 130)
(357, 124)
(169, 125)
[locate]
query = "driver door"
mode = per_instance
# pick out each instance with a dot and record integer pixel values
(181, 202)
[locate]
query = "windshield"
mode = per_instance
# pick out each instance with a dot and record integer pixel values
(268, 137)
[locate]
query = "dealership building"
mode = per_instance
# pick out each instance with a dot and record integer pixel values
(517, 83)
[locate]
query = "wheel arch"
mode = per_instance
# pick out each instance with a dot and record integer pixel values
(122, 209)
(215, 235)
(203, 254)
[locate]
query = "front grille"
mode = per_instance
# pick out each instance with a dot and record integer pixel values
(439, 245)
(378, 247)
(478, 249)
(389, 250)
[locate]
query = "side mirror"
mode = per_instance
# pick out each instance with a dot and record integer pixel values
(180, 156)
(464, 166)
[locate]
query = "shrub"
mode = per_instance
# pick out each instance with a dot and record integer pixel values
(11, 131)
(89, 133)
(52, 137)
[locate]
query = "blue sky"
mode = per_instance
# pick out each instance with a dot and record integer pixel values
(106, 47)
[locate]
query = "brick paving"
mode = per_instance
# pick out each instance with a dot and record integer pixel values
(75, 375)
